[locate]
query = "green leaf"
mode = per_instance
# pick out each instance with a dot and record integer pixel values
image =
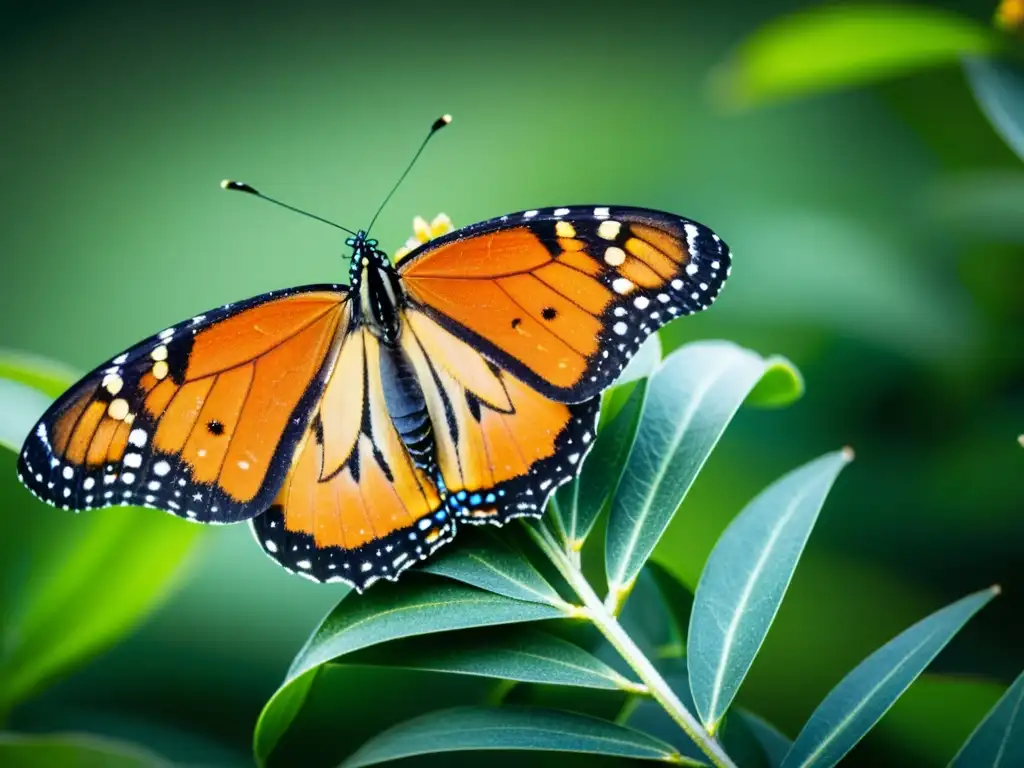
(998, 741)
(20, 408)
(47, 376)
(511, 653)
(642, 363)
(780, 385)
(81, 582)
(472, 728)
(745, 579)
(829, 47)
(689, 402)
(853, 707)
(414, 606)
(493, 565)
(280, 712)
(774, 744)
(77, 750)
(999, 88)
(578, 503)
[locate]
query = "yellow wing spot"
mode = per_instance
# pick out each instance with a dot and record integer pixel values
(609, 229)
(160, 353)
(433, 536)
(160, 369)
(565, 229)
(118, 409)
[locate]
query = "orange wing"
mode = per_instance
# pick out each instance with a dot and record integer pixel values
(201, 420)
(563, 297)
(355, 507)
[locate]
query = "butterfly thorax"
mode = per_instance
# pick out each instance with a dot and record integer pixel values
(373, 279)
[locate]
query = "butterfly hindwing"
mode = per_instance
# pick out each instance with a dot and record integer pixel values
(356, 508)
(200, 420)
(563, 297)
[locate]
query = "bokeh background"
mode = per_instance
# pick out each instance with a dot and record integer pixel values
(855, 256)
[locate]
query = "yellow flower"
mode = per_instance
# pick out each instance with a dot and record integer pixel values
(1010, 15)
(424, 233)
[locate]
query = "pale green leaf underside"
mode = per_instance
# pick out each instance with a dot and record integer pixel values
(472, 729)
(522, 654)
(745, 579)
(387, 612)
(689, 402)
(998, 741)
(860, 699)
(495, 567)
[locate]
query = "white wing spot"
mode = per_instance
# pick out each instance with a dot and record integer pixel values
(620, 328)
(161, 468)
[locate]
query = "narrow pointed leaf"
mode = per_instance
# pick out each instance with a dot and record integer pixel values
(279, 713)
(494, 566)
(998, 741)
(475, 729)
(414, 606)
(689, 402)
(510, 653)
(999, 88)
(579, 503)
(832, 46)
(745, 579)
(72, 749)
(853, 707)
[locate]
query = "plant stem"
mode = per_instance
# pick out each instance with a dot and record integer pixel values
(607, 624)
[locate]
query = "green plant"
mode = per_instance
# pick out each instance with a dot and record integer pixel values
(69, 587)
(667, 664)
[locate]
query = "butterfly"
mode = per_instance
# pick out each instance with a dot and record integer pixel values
(356, 426)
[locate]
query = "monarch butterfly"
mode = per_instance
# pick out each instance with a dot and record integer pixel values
(354, 427)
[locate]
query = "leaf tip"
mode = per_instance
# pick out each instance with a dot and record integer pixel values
(1020, 440)
(996, 590)
(848, 453)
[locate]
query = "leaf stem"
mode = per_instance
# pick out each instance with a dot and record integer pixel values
(606, 623)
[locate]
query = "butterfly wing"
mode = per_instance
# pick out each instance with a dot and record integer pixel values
(356, 507)
(201, 420)
(563, 297)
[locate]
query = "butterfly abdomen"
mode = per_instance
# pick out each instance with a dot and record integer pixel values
(407, 407)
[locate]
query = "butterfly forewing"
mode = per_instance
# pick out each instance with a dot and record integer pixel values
(200, 420)
(563, 297)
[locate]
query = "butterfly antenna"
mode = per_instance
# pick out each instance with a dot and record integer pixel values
(240, 186)
(440, 123)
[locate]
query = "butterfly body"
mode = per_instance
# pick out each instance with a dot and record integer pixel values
(355, 426)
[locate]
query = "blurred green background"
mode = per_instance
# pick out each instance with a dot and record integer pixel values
(853, 257)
